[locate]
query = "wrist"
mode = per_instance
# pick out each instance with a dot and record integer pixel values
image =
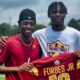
(14, 69)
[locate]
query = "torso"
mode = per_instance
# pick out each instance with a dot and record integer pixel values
(53, 42)
(15, 53)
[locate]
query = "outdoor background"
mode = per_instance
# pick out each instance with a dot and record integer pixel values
(10, 9)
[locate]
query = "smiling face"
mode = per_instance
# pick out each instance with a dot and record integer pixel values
(27, 27)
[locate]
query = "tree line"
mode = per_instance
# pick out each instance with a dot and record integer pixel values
(8, 30)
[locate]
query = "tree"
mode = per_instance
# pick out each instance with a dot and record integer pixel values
(39, 26)
(74, 23)
(5, 29)
(8, 30)
(15, 30)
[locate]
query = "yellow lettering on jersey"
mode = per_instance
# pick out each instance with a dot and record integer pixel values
(53, 70)
(65, 75)
(52, 77)
(63, 68)
(70, 67)
(60, 77)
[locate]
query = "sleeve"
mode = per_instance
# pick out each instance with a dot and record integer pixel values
(78, 40)
(34, 35)
(4, 54)
(79, 43)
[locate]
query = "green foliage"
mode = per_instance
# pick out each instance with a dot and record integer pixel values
(9, 30)
(74, 23)
(15, 30)
(39, 26)
(2, 77)
(5, 29)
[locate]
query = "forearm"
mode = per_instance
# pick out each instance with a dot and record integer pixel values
(21, 68)
(4, 69)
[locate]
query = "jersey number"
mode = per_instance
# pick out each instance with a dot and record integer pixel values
(63, 76)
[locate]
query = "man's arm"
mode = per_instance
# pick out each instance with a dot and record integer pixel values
(21, 68)
(77, 53)
(3, 40)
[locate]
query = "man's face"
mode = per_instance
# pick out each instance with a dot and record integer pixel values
(57, 16)
(27, 27)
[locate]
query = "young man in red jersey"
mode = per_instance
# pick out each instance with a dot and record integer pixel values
(21, 48)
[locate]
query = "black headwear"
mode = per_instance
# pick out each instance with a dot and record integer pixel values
(27, 14)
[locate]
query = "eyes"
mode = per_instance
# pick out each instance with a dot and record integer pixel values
(26, 23)
(55, 12)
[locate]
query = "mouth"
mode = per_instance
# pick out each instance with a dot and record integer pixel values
(58, 19)
(28, 31)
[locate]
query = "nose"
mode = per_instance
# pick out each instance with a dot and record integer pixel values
(28, 26)
(58, 14)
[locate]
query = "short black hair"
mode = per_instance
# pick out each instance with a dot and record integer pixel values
(27, 14)
(53, 6)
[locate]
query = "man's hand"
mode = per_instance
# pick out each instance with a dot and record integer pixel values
(77, 53)
(25, 67)
(3, 40)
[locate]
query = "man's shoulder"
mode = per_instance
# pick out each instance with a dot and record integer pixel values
(40, 31)
(71, 28)
(13, 38)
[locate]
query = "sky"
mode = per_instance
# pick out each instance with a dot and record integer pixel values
(10, 10)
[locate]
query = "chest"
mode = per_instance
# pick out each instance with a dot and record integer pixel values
(21, 52)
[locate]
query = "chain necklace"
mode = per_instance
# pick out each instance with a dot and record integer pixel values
(24, 42)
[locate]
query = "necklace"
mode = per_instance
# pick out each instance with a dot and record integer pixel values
(24, 42)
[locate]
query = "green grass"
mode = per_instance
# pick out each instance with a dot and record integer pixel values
(2, 77)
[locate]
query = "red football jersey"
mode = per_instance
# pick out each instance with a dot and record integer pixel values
(62, 67)
(15, 53)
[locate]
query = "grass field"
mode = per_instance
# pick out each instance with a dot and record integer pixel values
(2, 77)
